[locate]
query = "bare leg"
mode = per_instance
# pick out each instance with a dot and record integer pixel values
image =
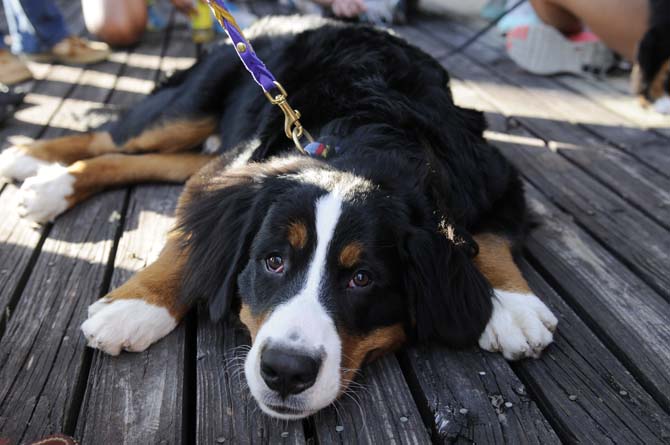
(619, 23)
(117, 22)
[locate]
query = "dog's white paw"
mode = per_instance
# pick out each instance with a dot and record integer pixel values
(126, 324)
(16, 163)
(44, 196)
(520, 326)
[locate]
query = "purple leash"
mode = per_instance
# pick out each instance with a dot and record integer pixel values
(264, 78)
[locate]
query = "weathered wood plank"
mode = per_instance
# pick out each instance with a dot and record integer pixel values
(138, 397)
(226, 411)
(629, 317)
(18, 241)
(42, 350)
(474, 397)
(379, 408)
(622, 103)
(590, 395)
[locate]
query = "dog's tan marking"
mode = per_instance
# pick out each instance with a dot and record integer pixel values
(351, 254)
(356, 348)
(496, 263)
(69, 149)
(297, 234)
(252, 322)
(160, 282)
(94, 175)
(172, 136)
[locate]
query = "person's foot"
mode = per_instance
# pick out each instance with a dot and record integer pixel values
(73, 50)
(12, 69)
(542, 49)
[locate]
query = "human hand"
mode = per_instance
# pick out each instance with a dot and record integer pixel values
(348, 8)
(184, 6)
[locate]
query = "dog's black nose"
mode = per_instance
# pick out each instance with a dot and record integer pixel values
(287, 371)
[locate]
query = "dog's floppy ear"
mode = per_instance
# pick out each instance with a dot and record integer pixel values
(217, 226)
(451, 298)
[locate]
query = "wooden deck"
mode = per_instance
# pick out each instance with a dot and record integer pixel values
(597, 170)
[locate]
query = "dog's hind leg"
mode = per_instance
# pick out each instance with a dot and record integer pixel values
(22, 161)
(521, 324)
(57, 188)
(143, 310)
(25, 159)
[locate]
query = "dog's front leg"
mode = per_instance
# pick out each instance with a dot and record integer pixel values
(521, 324)
(142, 311)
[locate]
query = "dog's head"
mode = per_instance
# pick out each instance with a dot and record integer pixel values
(331, 271)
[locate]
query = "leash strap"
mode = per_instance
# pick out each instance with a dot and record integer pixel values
(262, 76)
(272, 89)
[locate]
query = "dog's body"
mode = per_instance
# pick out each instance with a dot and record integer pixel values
(405, 234)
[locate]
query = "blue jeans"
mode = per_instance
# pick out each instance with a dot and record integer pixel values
(35, 25)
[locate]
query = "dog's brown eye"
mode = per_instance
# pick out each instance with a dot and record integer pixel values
(275, 263)
(360, 279)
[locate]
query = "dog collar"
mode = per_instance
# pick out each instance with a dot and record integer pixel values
(320, 150)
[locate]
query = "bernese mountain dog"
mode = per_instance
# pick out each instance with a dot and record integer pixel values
(405, 234)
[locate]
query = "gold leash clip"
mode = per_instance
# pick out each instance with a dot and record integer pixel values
(292, 126)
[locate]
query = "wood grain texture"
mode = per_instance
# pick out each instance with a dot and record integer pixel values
(378, 409)
(629, 317)
(42, 351)
(474, 397)
(590, 394)
(18, 241)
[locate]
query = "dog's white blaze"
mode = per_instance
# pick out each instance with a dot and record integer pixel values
(521, 325)
(328, 210)
(303, 323)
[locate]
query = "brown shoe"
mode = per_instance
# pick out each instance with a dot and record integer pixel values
(12, 69)
(73, 50)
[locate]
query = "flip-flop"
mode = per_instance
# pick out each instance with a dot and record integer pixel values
(542, 49)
